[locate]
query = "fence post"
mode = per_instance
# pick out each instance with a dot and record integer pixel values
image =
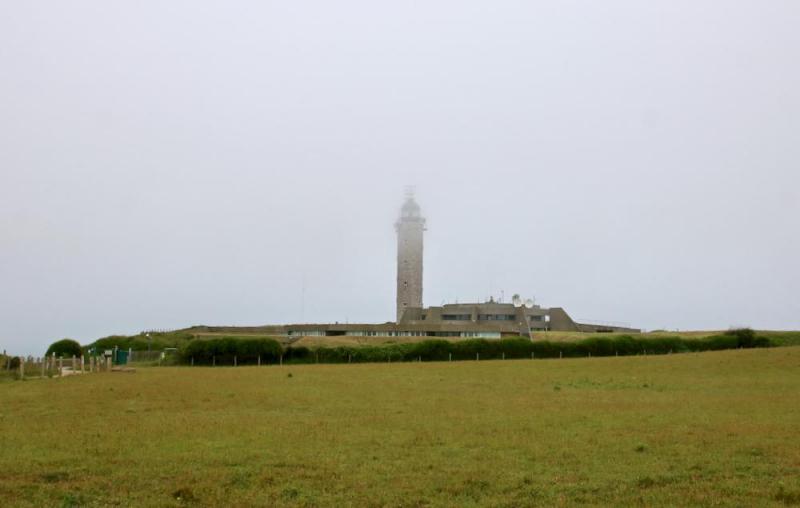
(477, 356)
(449, 357)
(83, 365)
(74, 364)
(22, 368)
(60, 366)
(193, 361)
(504, 355)
(531, 355)
(281, 359)
(234, 361)
(349, 358)
(108, 363)
(259, 360)
(42, 360)
(561, 354)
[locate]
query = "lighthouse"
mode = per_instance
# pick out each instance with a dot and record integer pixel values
(410, 228)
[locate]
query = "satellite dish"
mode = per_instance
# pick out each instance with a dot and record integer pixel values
(516, 300)
(529, 303)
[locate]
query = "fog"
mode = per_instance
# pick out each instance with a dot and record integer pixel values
(164, 164)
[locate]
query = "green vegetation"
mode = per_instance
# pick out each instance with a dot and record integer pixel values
(141, 342)
(224, 349)
(227, 350)
(65, 348)
(712, 429)
(157, 341)
(781, 338)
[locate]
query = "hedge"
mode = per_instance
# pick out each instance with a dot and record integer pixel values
(486, 349)
(222, 351)
(227, 350)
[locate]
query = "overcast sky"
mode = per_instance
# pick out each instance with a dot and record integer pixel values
(164, 164)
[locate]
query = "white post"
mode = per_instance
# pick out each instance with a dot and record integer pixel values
(449, 357)
(259, 360)
(83, 365)
(561, 354)
(60, 366)
(477, 356)
(504, 355)
(531, 355)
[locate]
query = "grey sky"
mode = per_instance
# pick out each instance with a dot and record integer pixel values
(164, 164)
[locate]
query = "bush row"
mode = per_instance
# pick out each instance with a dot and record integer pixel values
(224, 350)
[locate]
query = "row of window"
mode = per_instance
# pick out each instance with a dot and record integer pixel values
(487, 317)
(320, 333)
(496, 317)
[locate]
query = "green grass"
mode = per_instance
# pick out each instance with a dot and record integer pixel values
(708, 429)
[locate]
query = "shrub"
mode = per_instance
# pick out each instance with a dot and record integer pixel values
(65, 348)
(13, 363)
(223, 350)
(747, 338)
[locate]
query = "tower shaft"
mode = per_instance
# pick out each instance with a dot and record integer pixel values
(410, 228)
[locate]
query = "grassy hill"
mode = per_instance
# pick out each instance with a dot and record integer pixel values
(716, 428)
(180, 338)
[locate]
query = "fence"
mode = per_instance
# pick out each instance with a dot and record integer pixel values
(30, 367)
(144, 356)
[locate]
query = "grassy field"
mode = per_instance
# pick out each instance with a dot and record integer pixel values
(709, 429)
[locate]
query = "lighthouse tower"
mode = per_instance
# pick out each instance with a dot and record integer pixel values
(410, 227)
